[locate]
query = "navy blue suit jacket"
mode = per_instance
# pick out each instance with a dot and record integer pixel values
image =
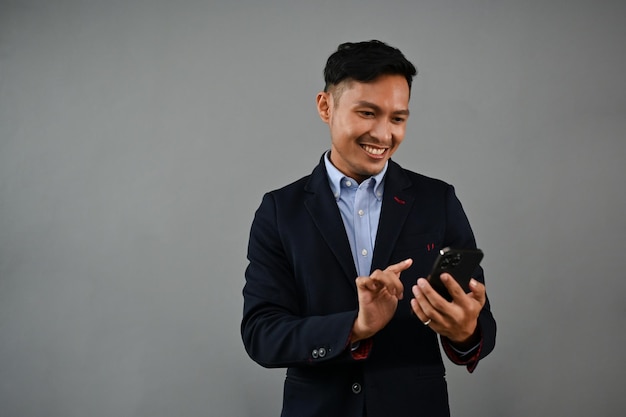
(300, 298)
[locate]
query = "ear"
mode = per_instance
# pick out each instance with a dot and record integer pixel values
(323, 100)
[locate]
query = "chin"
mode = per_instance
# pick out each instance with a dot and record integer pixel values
(373, 170)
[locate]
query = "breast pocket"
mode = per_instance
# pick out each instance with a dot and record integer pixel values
(422, 249)
(416, 246)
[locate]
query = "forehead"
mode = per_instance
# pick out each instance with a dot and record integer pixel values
(391, 90)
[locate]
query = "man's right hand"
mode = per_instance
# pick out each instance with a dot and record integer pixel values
(378, 299)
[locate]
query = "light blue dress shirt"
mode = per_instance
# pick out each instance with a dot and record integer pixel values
(360, 206)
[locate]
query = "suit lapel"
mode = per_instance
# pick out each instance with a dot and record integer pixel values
(397, 204)
(323, 209)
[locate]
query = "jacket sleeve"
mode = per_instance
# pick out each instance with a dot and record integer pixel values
(275, 330)
(459, 235)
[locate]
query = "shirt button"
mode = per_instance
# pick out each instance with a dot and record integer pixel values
(364, 252)
(356, 388)
(315, 353)
(348, 183)
(361, 213)
(321, 352)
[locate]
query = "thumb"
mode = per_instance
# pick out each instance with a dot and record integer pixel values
(366, 283)
(478, 291)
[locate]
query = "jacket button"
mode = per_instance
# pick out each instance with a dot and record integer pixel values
(356, 388)
(315, 353)
(321, 352)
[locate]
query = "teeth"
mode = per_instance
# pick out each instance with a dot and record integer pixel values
(372, 150)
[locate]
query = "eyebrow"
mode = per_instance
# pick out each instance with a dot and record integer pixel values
(364, 103)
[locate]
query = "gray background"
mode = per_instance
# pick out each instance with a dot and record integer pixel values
(137, 138)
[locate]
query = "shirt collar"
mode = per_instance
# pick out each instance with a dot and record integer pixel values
(335, 176)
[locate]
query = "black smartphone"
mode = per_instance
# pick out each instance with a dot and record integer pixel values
(460, 263)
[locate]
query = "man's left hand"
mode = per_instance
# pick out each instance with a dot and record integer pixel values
(458, 319)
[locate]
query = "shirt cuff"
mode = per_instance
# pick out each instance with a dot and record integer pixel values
(360, 350)
(469, 358)
(462, 353)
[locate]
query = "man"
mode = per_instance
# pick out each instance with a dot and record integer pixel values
(333, 289)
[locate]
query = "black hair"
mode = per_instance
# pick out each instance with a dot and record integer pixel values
(365, 61)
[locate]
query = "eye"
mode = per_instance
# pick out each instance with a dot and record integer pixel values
(366, 113)
(399, 119)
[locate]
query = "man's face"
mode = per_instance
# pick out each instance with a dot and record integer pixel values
(367, 123)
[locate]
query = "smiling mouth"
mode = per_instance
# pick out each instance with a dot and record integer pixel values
(373, 151)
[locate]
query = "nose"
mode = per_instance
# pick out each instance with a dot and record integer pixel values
(382, 131)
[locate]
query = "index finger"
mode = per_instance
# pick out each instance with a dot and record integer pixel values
(400, 266)
(452, 285)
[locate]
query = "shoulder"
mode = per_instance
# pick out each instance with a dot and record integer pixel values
(296, 186)
(415, 180)
(290, 194)
(316, 181)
